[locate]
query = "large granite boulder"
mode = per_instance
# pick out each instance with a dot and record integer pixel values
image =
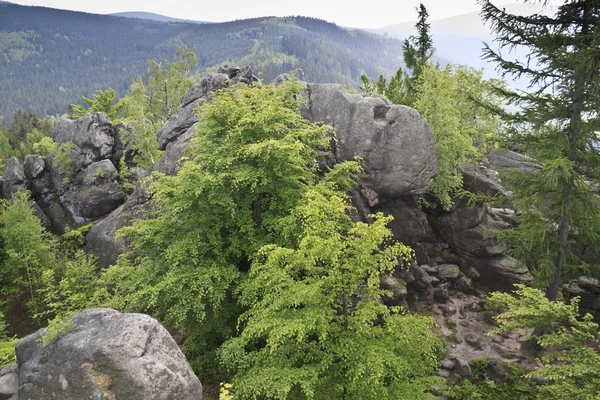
(106, 355)
(395, 141)
(64, 204)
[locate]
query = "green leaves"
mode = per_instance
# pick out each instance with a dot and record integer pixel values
(453, 101)
(571, 366)
(316, 326)
(103, 101)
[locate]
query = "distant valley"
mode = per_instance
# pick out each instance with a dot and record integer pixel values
(50, 58)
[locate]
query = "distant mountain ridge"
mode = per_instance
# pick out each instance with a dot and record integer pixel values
(154, 17)
(50, 58)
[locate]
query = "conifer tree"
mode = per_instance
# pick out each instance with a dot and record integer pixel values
(417, 51)
(557, 124)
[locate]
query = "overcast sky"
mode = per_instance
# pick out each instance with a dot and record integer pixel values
(364, 14)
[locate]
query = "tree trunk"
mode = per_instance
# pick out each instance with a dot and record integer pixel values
(563, 232)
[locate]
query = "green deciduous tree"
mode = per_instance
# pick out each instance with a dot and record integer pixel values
(316, 327)
(557, 124)
(250, 162)
(169, 81)
(571, 366)
(454, 102)
(25, 245)
(103, 101)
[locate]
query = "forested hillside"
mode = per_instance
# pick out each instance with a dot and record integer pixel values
(50, 58)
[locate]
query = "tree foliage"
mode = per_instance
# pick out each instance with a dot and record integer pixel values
(25, 245)
(103, 101)
(454, 101)
(571, 366)
(316, 327)
(556, 124)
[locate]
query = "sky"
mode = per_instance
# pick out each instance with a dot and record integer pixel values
(349, 13)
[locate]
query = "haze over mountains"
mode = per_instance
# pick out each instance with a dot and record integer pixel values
(459, 39)
(154, 17)
(50, 58)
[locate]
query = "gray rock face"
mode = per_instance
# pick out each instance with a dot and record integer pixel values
(9, 383)
(107, 355)
(14, 178)
(34, 166)
(177, 125)
(92, 135)
(102, 240)
(395, 141)
(510, 160)
(397, 290)
(204, 87)
(63, 205)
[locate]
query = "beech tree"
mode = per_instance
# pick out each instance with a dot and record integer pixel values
(557, 123)
(316, 327)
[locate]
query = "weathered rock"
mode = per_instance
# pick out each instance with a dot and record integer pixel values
(418, 283)
(61, 220)
(496, 371)
(588, 290)
(177, 124)
(107, 355)
(502, 272)
(14, 178)
(9, 382)
(473, 340)
(441, 292)
(449, 272)
(102, 240)
(465, 285)
(410, 225)
(510, 160)
(238, 74)
(463, 368)
(396, 288)
(395, 141)
(96, 173)
(92, 135)
(87, 203)
(205, 87)
(481, 179)
(34, 166)
(447, 364)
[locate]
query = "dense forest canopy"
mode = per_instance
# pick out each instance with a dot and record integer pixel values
(50, 58)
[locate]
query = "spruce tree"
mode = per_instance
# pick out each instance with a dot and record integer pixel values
(417, 51)
(556, 123)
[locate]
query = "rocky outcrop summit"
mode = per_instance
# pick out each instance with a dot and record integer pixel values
(395, 141)
(105, 355)
(89, 191)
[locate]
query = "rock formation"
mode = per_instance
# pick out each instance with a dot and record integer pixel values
(105, 355)
(93, 193)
